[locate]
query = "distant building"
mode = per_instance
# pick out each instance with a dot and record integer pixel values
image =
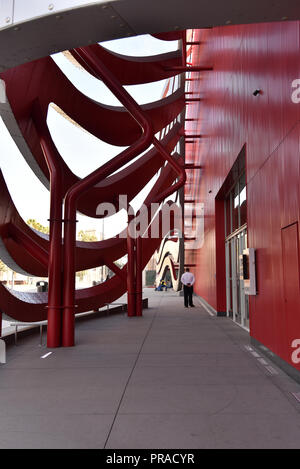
(149, 272)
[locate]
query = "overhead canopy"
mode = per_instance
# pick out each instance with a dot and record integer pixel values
(31, 30)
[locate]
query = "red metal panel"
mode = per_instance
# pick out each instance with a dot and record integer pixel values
(246, 58)
(291, 285)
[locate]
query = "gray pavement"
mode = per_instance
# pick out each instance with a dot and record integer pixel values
(175, 378)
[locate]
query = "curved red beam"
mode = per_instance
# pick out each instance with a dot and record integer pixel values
(170, 35)
(134, 70)
(32, 307)
(91, 62)
(37, 94)
(43, 80)
(140, 171)
(33, 259)
(97, 176)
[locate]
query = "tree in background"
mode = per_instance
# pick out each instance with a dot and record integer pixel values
(38, 226)
(80, 275)
(3, 268)
(87, 236)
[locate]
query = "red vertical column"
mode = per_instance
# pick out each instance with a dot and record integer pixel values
(55, 263)
(139, 278)
(68, 333)
(55, 284)
(131, 263)
(96, 177)
(55, 245)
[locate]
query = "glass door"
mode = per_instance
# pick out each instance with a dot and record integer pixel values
(237, 301)
(229, 307)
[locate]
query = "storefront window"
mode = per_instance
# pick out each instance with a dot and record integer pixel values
(243, 200)
(235, 203)
(228, 215)
(235, 208)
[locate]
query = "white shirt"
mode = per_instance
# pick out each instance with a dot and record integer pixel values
(187, 277)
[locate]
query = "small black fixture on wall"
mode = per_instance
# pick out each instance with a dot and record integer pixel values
(257, 92)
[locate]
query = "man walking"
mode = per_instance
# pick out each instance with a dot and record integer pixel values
(188, 280)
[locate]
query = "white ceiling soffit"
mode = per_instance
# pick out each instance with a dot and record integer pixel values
(35, 28)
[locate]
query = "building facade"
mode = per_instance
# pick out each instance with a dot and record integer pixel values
(247, 123)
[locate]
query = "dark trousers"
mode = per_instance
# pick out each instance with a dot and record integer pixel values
(188, 295)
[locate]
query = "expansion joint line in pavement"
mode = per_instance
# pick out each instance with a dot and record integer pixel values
(129, 377)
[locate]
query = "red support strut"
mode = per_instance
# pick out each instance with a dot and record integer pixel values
(94, 178)
(131, 263)
(139, 278)
(55, 249)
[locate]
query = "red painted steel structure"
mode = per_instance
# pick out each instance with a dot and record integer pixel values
(30, 89)
(227, 117)
(246, 58)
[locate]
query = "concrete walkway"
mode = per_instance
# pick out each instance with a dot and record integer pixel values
(176, 378)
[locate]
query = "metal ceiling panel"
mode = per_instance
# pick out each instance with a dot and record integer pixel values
(64, 24)
(24, 11)
(6, 12)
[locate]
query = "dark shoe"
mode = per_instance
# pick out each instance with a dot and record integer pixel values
(192, 306)
(185, 306)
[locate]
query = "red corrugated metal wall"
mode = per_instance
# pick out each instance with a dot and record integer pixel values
(246, 58)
